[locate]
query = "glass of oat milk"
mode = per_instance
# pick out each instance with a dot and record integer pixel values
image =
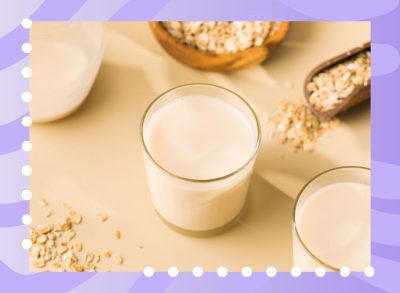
(200, 142)
(65, 60)
(331, 221)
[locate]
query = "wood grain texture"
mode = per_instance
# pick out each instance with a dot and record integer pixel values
(218, 62)
(360, 94)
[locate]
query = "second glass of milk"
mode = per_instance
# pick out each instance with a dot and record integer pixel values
(331, 221)
(199, 142)
(65, 60)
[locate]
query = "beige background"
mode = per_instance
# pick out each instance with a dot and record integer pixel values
(92, 159)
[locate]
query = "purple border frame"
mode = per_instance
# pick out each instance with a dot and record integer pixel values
(385, 18)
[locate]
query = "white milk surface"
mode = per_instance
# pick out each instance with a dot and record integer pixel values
(61, 79)
(199, 137)
(334, 224)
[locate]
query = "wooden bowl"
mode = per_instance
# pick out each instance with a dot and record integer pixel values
(217, 62)
(360, 94)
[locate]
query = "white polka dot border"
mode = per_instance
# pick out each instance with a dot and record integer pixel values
(26, 244)
(222, 272)
(26, 23)
(26, 194)
(148, 272)
(26, 146)
(26, 48)
(26, 97)
(247, 272)
(295, 272)
(173, 272)
(369, 271)
(26, 72)
(26, 170)
(198, 272)
(26, 121)
(345, 271)
(320, 272)
(271, 272)
(26, 219)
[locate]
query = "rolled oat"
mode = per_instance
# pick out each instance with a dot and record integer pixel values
(297, 125)
(221, 37)
(332, 86)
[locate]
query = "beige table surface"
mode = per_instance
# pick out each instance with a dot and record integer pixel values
(92, 160)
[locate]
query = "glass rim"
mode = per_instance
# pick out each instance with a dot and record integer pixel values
(320, 261)
(246, 163)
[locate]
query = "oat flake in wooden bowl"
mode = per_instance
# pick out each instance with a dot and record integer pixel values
(219, 45)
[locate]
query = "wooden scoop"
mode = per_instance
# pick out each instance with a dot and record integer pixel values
(218, 62)
(358, 95)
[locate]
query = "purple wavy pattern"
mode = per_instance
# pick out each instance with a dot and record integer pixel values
(57, 10)
(158, 283)
(389, 59)
(98, 9)
(10, 173)
(15, 133)
(200, 10)
(386, 278)
(390, 234)
(390, 252)
(385, 29)
(10, 45)
(108, 282)
(390, 206)
(10, 214)
(343, 9)
(384, 187)
(40, 282)
(259, 282)
(385, 145)
(147, 12)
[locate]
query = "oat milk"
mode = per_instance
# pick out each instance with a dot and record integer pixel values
(334, 224)
(199, 138)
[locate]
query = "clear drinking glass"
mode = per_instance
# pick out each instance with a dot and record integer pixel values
(65, 60)
(205, 206)
(309, 250)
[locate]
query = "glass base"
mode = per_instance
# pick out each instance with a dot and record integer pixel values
(201, 233)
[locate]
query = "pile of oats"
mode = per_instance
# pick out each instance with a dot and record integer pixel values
(221, 37)
(330, 87)
(295, 124)
(55, 248)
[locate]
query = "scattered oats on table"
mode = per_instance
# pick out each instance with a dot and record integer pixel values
(78, 246)
(42, 202)
(118, 260)
(332, 86)
(77, 219)
(289, 84)
(89, 257)
(295, 124)
(221, 37)
(103, 217)
(52, 246)
(66, 206)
